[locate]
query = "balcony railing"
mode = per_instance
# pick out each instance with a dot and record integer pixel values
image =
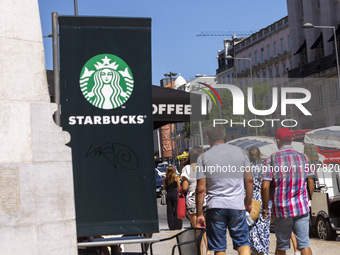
(316, 66)
(223, 68)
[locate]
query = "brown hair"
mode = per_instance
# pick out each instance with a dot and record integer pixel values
(194, 153)
(254, 154)
(170, 174)
(215, 133)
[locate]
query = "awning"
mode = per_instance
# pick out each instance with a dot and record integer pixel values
(267, 145)
(326, 137)
(183, 156)
(337, 32)
(172, 106)
(302, 47)
(318, 40)
(300, 133)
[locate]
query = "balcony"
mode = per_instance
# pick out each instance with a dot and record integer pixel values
(316, 66)
(224, 68)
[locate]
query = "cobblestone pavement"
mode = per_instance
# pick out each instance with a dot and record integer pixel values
(319, 247)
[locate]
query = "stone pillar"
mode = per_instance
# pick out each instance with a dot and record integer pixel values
(295, 30)
(37, 214)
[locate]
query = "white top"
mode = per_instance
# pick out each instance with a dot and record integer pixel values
(188, 173)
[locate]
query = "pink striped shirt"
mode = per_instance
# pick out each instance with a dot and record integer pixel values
(289, 173)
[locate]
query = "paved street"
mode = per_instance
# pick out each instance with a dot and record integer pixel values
(318, 246)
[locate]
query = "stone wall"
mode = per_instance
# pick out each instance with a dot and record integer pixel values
(37, 214)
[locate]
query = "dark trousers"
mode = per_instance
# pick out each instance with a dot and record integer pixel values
(171, 210)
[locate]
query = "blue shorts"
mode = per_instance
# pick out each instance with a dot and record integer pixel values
(218, 220)
(283, 231)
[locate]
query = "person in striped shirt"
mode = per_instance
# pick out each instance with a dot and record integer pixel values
(289, 171)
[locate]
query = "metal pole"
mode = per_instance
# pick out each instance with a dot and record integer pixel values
(56, 66)
(337, 60)
(75, 8)
(201, 134)
(159, 144)
(252, 85)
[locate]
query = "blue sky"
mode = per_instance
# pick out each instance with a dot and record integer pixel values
(175, 24)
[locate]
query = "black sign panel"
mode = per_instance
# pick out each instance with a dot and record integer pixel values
(106, 106)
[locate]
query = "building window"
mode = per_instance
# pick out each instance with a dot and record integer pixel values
(288, 37)
(319, 95)
(264, 73)
(268, 51)
(256, 57)
(262, 54)
(335, 92)
(239, 66)
(251, 59)
(270, 72)
(245, 63)
(282, 44)
(284, 67)
(277, 70)
(275, 48)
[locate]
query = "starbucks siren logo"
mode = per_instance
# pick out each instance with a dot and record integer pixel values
(106, 81)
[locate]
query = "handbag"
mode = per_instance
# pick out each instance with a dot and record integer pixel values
(181, 210)
(163, 197)
(255, 209)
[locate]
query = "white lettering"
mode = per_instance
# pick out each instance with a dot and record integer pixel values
(154, 107)
(272, 120)
(179, 109)
(140, 119)
(124, 120)
(132, 119)
(282, 123)
(106, 120)
(297, 101)
(114, 119)
(97, 120)
(238, 100)
(72, 120)
(161, 108)
(80, 119)
(187, 109)
(255, 120)
(171, 108)
(262, 112)
(238, 123)
(88, 120)
(219, 122)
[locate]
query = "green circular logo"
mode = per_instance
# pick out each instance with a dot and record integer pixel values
(106, 81)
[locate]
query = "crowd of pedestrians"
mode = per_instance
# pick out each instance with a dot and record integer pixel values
(221, 201)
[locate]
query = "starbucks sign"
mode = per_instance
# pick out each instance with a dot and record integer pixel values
(106, 81)
(106, 103)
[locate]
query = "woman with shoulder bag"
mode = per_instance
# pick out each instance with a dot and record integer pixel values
(259, 230)
(188, 178)
(171, 185)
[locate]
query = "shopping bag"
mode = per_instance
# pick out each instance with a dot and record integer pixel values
(181, 210)
(255, 209)
(163, 197)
